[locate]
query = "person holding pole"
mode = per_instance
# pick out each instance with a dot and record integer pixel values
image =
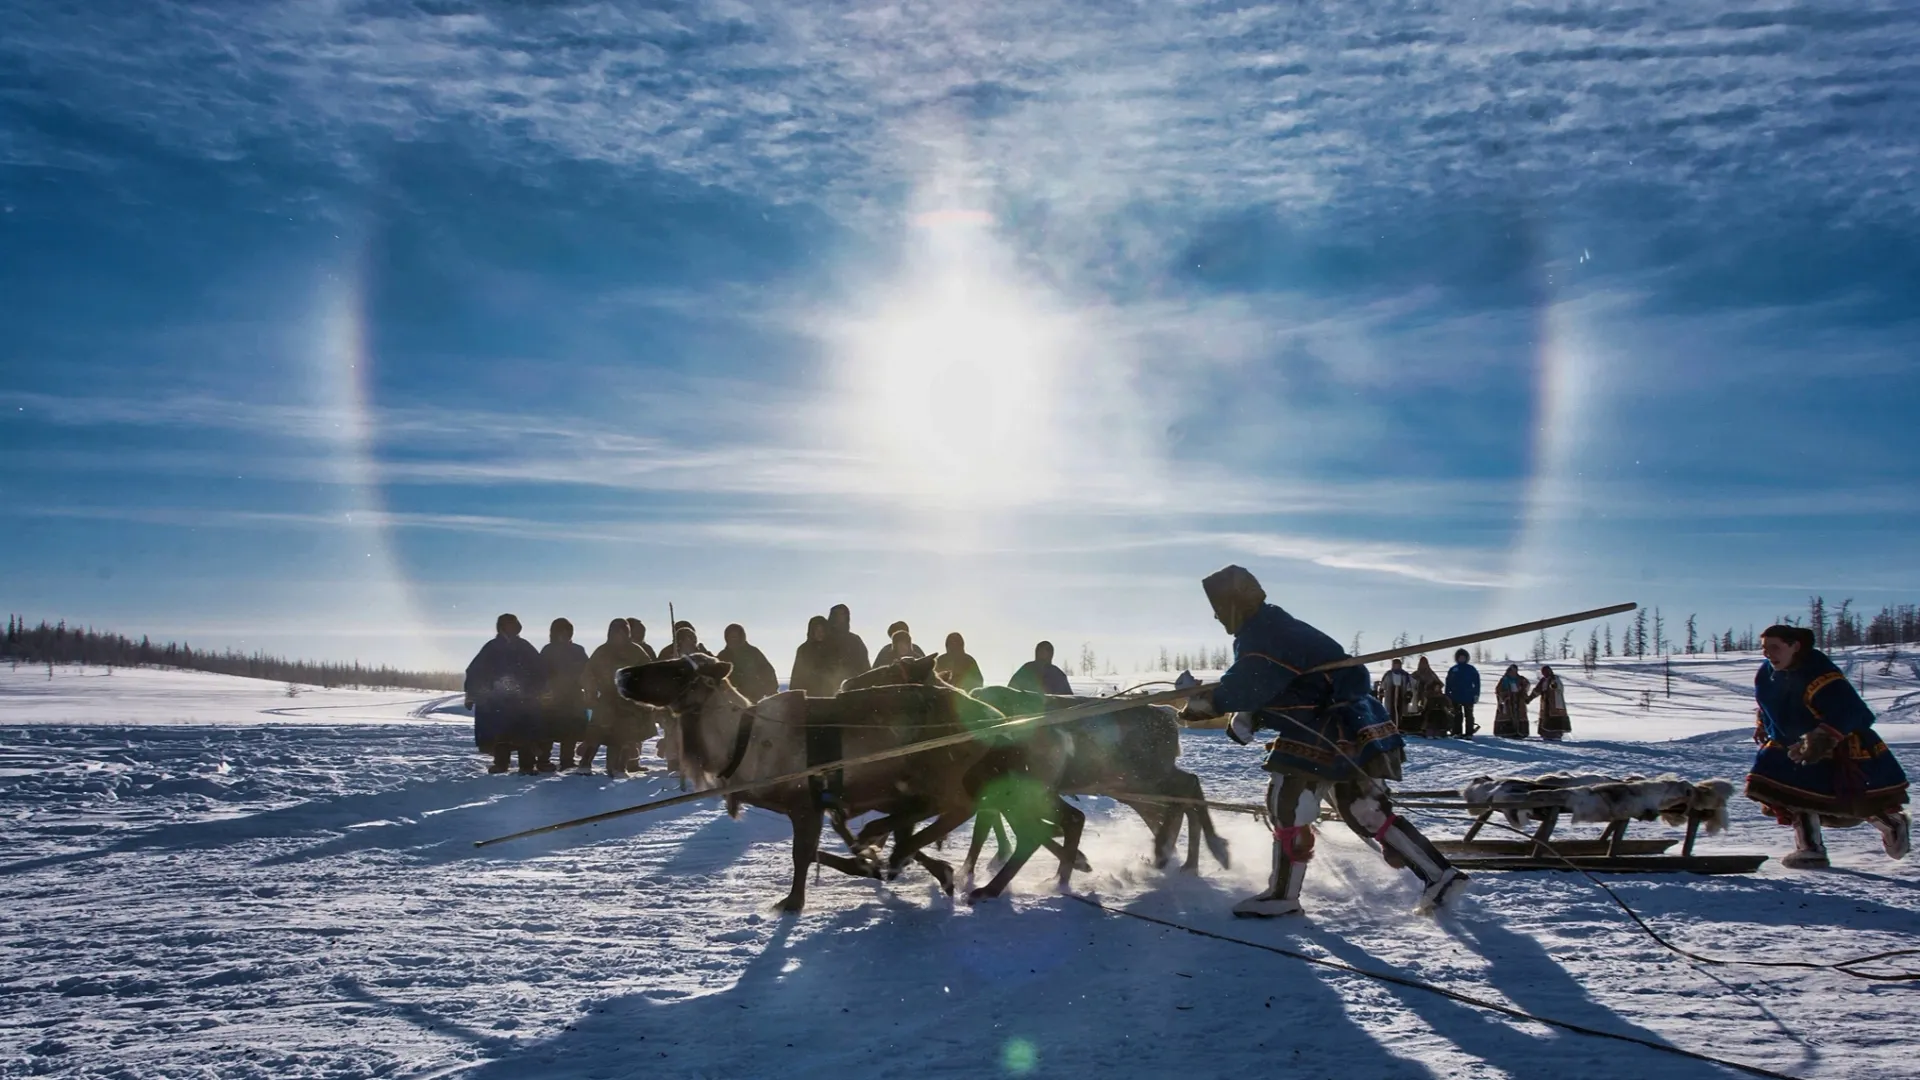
(1820, 761)
(1333, 741)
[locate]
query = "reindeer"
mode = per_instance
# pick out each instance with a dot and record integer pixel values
(1121, 754)
(919, 671)
(719, 737)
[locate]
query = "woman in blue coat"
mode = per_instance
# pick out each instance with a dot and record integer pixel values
(1819, 760)
(1333, 742)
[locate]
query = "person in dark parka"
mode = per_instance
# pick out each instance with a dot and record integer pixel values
(814, 668)
(1333, 742)
(620, 724)
(849, 653)
(1463, 689)
(891, 650)
(955, 666)
(564, 702)
(686, 642)
(752, 674)
(503, 688)
(637, 633)
(1039, 675)
(1820, 761)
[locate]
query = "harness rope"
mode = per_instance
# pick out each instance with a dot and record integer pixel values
(1431, 988)
(1841, 966)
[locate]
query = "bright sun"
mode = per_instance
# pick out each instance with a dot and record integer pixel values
(953, 380)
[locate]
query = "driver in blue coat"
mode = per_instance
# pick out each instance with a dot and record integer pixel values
(1332, 741)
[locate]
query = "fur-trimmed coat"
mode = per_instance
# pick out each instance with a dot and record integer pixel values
(1552, 695)
(753, 673)
(959, 669)
(1510, 706)
(1859, 779)
(1328, 726)
(504, 681)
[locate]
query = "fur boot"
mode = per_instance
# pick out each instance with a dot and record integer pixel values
(1809, 845)
(1896, 833)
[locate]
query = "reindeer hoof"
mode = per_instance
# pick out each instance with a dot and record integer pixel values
(943, 874)
(792, 904)
(1218, 845)
(979, 894)
(1081, 864)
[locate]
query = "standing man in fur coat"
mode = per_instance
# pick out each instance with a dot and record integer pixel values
(1333, 742)
(1396, 692)
(503, 690)
(752, 673)
(564, 701)
(1820, 761)
(617, 723)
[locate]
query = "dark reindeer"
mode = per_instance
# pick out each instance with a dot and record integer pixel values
(723, 739)
(1120, 754)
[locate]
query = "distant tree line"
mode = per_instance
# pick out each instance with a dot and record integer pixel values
(1205, 658)
(60, 644)
(1834, 627)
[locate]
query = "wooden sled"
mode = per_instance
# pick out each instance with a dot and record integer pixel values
(1609, 853)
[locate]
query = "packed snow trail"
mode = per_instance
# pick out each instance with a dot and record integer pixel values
(200, 888)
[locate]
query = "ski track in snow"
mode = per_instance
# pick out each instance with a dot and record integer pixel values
(205, 878)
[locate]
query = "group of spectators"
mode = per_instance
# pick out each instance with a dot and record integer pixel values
(1421, 703)
(529, 701)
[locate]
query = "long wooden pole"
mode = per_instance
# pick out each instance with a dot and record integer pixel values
(1473, 639)
(1060, 716)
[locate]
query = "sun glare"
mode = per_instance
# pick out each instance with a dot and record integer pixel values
(953, 387)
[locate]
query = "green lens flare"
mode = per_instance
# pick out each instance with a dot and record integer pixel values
(1019, 1057)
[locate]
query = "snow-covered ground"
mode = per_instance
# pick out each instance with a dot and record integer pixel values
(204, 877)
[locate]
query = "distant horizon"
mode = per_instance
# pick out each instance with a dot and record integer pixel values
(1510, 649)
(335, 332)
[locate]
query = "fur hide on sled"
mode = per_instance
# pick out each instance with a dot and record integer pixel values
(1603, 798)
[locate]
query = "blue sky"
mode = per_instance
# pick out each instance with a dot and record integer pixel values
(336, 328)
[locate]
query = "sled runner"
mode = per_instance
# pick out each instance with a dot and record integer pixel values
(1538, 804)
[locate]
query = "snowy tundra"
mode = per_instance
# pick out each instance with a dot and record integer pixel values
(205, 877)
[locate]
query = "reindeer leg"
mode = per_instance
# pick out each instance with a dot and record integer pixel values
(1165, 825)
(1188, 786)
(933, 833)
(941, 869)
(1072, 821)
(1078, 858)
(806, 847)
(1027, 834)
(981, 823)
(1069, 853)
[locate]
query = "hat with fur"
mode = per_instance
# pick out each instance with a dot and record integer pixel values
(1235, 595)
